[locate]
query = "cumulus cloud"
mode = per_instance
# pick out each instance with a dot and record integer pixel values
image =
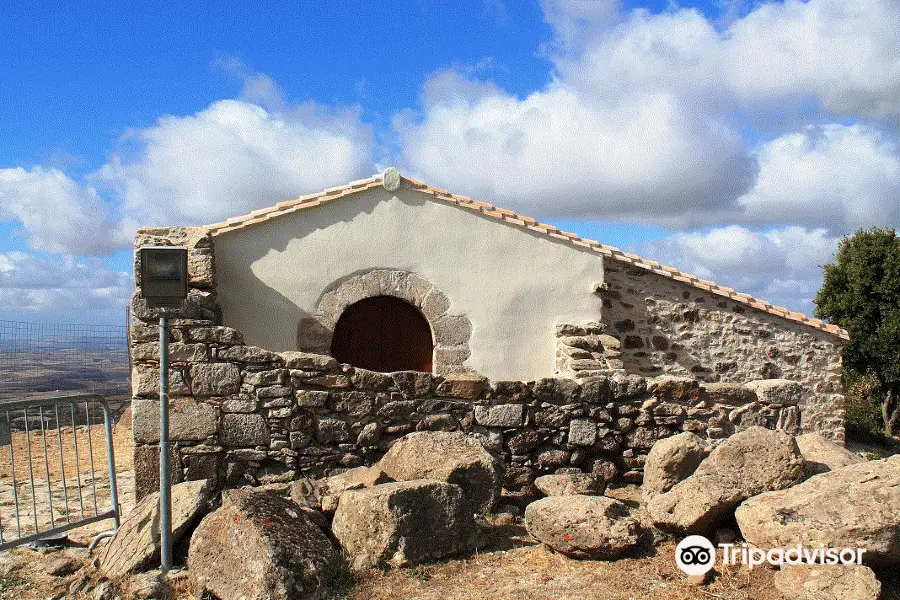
(228, 159)
(781, 265)
(644, 118)
(838, 177)
(844, 54)
(233, 157)
(31, 282)
(57, 213)
(558, 153)
(575, 21)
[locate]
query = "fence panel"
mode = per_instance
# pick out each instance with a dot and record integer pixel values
(42, 357)
(51, 479)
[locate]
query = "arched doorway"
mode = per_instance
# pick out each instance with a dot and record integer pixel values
(383, 333)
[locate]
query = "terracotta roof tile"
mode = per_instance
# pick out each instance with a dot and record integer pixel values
(508, 216)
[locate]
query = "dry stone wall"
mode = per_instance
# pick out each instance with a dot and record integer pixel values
(241, 414)
(656, 326)
(254, 417)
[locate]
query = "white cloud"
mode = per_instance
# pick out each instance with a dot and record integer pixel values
(842, 53)
(839, 177)
(233, 157)
(676, 53)
(781, 265)
(38, 284)
(557, 152)
(58, 213)
(644, 117)
(576, 21)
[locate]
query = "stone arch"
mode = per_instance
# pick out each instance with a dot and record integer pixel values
(450, 332)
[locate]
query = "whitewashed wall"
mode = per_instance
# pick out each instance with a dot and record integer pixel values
(513, 285)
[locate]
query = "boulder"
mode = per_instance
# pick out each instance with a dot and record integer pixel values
(403, 523)
(352, 479)
(259, 546)
(823, 455)
(323, 494)
(568, 484)
(672, 460)
(149, 586)
(593, 527)
(852, 507)
(748, 463)
(105, 590)
(452, 457)
(135, 546)
(307, 492)
(826, 582)
(61, 566)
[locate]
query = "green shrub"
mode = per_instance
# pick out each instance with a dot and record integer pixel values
(863, 411)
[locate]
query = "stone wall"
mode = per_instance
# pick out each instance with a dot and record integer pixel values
(657, 326)
(242, 414)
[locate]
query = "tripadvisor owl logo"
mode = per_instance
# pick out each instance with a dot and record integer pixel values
(695, 555)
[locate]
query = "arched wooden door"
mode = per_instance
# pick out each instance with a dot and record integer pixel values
(384, 334)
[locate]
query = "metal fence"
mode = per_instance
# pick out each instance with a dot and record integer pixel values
(42, 357)
(50, 479)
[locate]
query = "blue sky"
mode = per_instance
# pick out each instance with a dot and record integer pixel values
(737, 140)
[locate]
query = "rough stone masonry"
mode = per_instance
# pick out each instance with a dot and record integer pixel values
(242, 414)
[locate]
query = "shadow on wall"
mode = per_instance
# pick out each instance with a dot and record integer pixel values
(237, 252)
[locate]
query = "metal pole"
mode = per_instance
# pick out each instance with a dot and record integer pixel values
(165, 500)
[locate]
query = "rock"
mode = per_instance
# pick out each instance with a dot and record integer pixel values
(501, 415)
(105, 590)
(149, 586)
(504, 519)
(189, 420)
(358, 477)
(81, 584)
(369, 435)
(452, 457)
(748, 463)
(136, 544)
(825, 582)
(402, 523)
(259, 546)
(469, 387)
(852, 507)
(244, 430)
(146, 470)
(62, 566)
(672, 460)
(247, 354)
(569, 484)
(331, 488)
(582, 432)
(306, 361)
(776, 391)
(593, 527)
(307, 492)
(733, 394)
(215, 379)
(822, 455)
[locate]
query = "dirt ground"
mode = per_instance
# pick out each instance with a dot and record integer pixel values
(521, 572)
(510, 567)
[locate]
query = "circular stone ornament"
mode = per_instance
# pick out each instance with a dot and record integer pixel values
(391, 179)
